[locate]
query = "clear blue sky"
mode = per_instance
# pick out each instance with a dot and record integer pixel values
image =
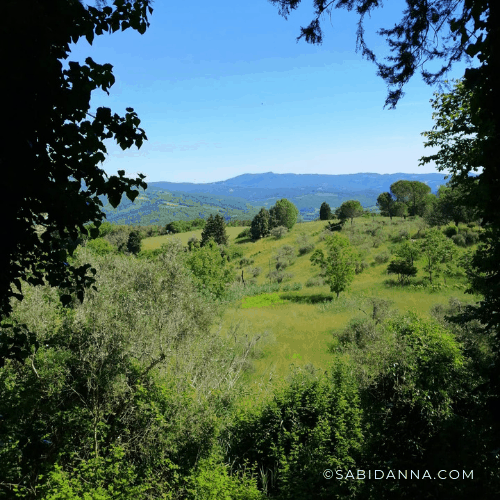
(222, 88)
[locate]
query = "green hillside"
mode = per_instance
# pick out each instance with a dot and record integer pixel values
(299, 330)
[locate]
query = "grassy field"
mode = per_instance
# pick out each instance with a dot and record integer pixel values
(296, 327)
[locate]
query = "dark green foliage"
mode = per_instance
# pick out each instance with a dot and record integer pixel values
(325, 212)
(260, 225)
(193, 243)
(412, 194)
(404, 269)
(423, 416)
(385, 203)
(246, 233)
(311, 425)
(215, 228)
(283, 213)
(53, 143)
(134, 242)
(335, 227)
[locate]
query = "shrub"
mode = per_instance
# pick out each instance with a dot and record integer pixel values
(402, 235)
(284, 257)
(360, 266)
(289, 287)
(450, 231)
(279, 276)
(359, 332)
(278, 232)
(244, 234)
(382, 257)
(312, 424)
(100, 246)
(255, 271)
(306, 249)
(316, 281)
(471, 238)
(193, 243)
(459, 240)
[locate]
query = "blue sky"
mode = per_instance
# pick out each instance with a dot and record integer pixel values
(222, 89)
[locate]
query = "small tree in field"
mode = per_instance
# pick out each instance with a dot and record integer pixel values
(325, 212)
(284, 213)
(403, 269)
(340, 264)
(349, 210)
(437, 250)
(215, 228)
(260, 225)
(385, 203)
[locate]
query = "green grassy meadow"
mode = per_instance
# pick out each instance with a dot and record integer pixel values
(296, 327)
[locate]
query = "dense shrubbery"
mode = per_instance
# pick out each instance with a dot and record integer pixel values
(313, 424)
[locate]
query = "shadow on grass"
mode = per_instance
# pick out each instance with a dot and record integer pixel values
(307, 299)
(244, 240)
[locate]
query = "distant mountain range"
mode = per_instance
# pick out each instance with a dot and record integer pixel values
(242, 196)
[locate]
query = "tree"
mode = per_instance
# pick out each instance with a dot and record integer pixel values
(210, 268)
(325, 212)
(283, 213)
(134, 242)
(412, 194)
(260, 225)
(408, 251)
(53, 143)
(404, 269)
(215, 229)
(349, 210)
(452, 206)
(436, 249)
(340, 264)
(448, 31)
(385, 203)
(400, 209)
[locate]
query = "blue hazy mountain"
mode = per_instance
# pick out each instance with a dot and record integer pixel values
(242, 196)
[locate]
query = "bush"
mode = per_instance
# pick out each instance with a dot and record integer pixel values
(316, 281)
(255, 271)
(278, 232)
(360, 266)
(359, 333)
(306, 249)
(289, 287)
(279, 276)
(402, 235)
(100, 246)
(193, 243)
(244, 234)
(471, 238)
(311, 425)
(382, 257)
(459, 240)
(450, 231)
